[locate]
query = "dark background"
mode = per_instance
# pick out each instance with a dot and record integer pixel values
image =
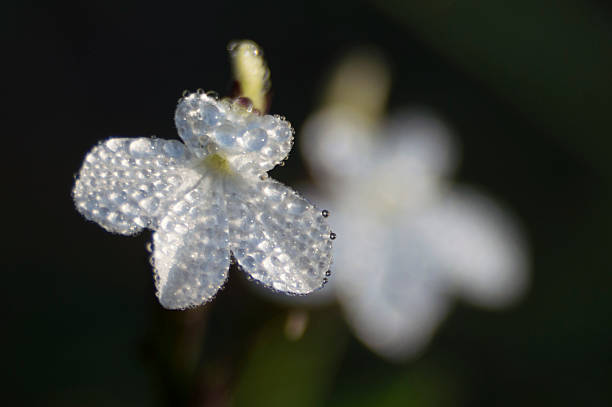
(527, 87)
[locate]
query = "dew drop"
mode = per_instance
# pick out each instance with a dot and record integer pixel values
(174, 149)
(142, 148)
(200, 91)
(296, 206)
(149, 247)
(149, 204)
(332, 236)
(232, 45)
(209, 115)
(254, 139)
(225, 135)
(328, 273)
(185, 93)
(244, 102)
(325, 213)
(212, 94)
(325, 280)
(212, 148)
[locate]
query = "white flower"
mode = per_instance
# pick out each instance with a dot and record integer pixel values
(410, 241)
(208, 200)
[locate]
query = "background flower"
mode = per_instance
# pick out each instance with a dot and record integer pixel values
(411, 240)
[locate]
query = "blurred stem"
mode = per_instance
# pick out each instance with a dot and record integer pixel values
(175, 351)
(192, 366)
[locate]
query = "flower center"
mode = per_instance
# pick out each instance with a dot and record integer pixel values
(217, 162)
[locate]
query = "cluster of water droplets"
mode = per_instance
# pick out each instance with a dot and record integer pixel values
(124, 182)
(191, 247)
(281, 239)
(251, 143)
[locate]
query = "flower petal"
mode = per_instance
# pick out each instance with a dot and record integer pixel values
(479, 247)
(124, 181)
(278, 237)
(397, 331)
(337, 144)
(420, 142)
(253, 144)
(191, 248)
(389, 286)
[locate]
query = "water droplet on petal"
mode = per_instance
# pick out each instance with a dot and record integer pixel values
(244, 102)
(212, 148)
(174, 149)
(141, 148)
(212, 94)
(149, 204)
(210, 115)
(225, 135)
(254, 139)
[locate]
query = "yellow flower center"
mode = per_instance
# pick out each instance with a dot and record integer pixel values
(217, 162)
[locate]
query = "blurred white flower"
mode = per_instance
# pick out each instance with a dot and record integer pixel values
(207, 200)
(409, 240)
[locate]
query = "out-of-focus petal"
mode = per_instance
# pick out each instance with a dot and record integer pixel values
(337, 144)
(422, 141)
(391, 289)
(479, 246)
